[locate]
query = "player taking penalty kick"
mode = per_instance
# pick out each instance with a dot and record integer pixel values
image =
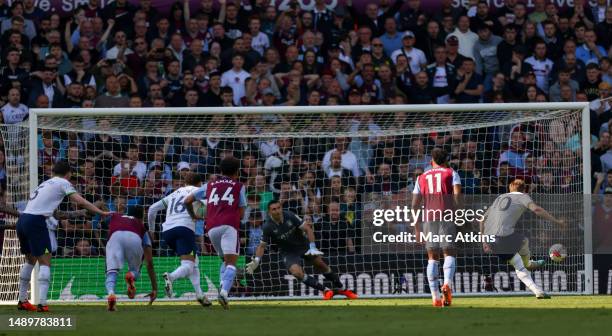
(225, 200)
(434, 188)
(33, 234)
(296, 241)
(178, 231)
(501, 219)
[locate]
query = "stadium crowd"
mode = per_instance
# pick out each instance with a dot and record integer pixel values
(252, 54)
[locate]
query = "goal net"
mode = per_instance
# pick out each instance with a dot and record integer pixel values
(339, 165)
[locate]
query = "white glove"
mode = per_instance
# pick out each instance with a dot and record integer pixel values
(313, 251)
(252, 266)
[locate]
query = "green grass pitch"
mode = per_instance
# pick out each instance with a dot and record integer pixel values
(563, 315)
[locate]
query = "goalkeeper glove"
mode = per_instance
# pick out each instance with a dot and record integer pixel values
(252, 266)
(313, 251)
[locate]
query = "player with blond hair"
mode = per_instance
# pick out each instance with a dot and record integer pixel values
(500, 221)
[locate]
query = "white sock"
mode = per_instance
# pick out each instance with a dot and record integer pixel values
(524, 275)
(228, 278)
(44, 275)
(182, 271)
(449, 269)
(194, 277)
(432, 278)
(111, 281)
(24, 281)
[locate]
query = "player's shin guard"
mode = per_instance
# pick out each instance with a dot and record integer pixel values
(228, 278)
(335, 280)
(194, 277)
(432, 278)
(44, 276)
(449, 269)
(312, 282)
(24, 281)
(182, 271)
(524, 275)
(111, 281)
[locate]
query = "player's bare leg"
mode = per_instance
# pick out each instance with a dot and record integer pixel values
(44, 276)
(432, 276)
(227, 279)
(449, 273)
(320, 265)
(25, 274)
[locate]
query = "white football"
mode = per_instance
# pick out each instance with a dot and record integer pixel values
(557, 253)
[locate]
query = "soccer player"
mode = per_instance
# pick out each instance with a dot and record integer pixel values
(178, 231)
(33, 234)
(127, 241)
(500, 220)
(438, 189)
(296, 241)
(225, 200)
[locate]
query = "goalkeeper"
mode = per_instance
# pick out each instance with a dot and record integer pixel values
(296, 241)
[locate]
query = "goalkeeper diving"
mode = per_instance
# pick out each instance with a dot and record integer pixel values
(295, 240)
(500, 220)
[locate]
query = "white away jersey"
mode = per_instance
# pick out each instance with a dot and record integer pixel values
(176, 214)
(48, 196)
(505, 212)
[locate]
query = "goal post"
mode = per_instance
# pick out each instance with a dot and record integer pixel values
(397, 138)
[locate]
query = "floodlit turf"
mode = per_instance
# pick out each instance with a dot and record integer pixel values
(563, 315)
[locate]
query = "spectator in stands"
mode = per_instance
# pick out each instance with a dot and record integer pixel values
(606, 159)
(469, 83)
(487, 64)
(603, 184)
(335, 234)
(290, 199)
(591, 85)
(590, 51)
(564, 79)
(442, 76)
(466, 38)
(385, 183)
(13, 111)
(541, 65)
(416, 58)
(348, 159)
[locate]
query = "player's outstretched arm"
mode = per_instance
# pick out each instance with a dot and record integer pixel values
(59, 214)
(259, 252)
(152, 213)
(148, 257)
(542, 213)
(307, 228)
(78, 199)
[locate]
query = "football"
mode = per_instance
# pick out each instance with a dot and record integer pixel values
(557, 253)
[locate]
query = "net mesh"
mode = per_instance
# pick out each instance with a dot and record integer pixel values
(337, 168)
(15, 193)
